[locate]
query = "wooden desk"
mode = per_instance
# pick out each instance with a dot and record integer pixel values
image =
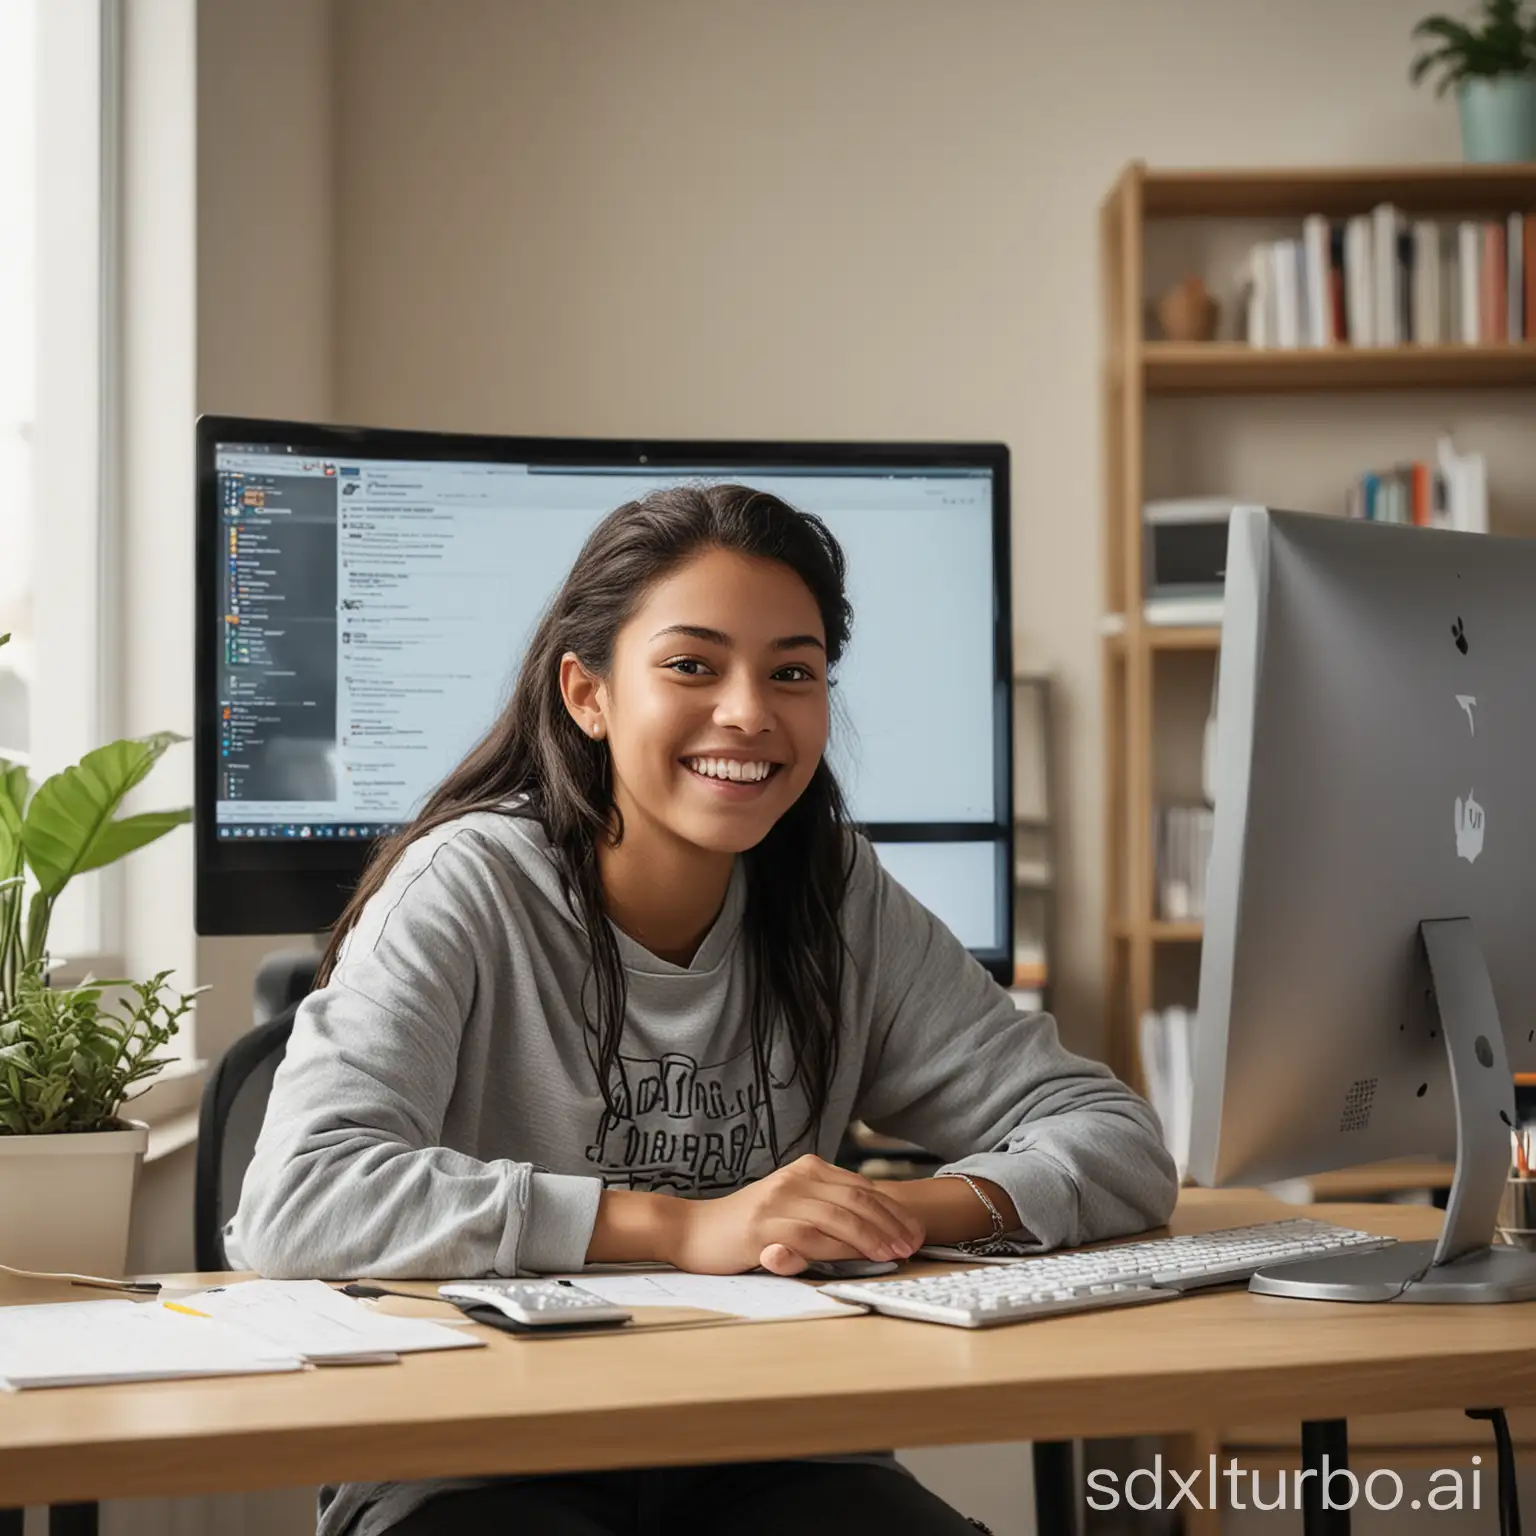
(779, 1390)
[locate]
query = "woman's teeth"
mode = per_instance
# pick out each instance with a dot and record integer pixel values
(729, 768)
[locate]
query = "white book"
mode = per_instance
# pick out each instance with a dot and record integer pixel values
(1152, 1041)
(1426, 283)
(1260, 333)
(1173, 888)
(1466, 487)
(1514, 262)
(1385, 222)
(1450, 285)
(1287, 285)
(1359, 297)
(1181, 1085)
(1474, 473)
(1469, 253)
(1319, 288)
(1207, 836)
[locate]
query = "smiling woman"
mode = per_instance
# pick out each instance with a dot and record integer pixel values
(711, 745)
(633, 950)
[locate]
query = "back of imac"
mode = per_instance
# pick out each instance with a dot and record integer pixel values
(1368, 974)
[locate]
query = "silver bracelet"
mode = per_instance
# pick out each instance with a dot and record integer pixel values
(994, 1239)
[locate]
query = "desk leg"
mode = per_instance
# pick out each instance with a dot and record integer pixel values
(11, 1521)
(1056, 1488)
(72, 1520)
(1322, 1440)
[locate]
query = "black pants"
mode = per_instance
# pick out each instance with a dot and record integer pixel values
(806, 1498)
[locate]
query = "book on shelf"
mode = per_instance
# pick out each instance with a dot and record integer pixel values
(1183, 844)
(1166, 1045)
(1379, 280)
(1450, 493)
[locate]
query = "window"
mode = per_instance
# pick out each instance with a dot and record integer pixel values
(58, 134)
(18, 235)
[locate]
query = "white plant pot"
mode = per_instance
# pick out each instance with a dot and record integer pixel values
(65, 1201)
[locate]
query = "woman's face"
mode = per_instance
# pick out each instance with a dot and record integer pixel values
(715, 709)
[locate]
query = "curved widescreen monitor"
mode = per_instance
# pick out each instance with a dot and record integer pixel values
(364, 599)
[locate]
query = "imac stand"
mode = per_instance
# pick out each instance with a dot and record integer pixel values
(1464, 1265)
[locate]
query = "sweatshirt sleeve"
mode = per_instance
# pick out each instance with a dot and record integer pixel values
(954, 1066)
(349, 1176)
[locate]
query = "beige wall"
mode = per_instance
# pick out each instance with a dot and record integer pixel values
(266, 277)
(839, 218)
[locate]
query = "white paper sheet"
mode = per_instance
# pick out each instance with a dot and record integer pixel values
(81, 1343)
(761, 1297)
(310, 1319)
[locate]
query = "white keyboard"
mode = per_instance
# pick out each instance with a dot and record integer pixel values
(1155, 1269)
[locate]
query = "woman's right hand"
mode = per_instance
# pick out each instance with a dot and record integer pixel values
(810, 1209)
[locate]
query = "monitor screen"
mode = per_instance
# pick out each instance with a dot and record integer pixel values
(368, 597)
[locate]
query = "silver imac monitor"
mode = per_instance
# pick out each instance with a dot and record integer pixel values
(1368, 975)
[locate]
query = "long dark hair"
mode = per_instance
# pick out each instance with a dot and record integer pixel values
(537, 755)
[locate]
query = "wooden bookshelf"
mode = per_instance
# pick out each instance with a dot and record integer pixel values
(1136, 370)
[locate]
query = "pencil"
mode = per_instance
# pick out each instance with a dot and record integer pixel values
(172, 1306)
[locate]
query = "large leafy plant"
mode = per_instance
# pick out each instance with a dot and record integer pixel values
(68, 1056)
(1504, 44)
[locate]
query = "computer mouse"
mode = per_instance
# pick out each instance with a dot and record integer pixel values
(847, 1269)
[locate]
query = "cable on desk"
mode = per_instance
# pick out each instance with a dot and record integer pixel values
(1509, 1490)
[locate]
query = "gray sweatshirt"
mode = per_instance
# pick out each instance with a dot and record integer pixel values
(437, 1113)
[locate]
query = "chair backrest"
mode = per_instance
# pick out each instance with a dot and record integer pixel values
(234, 1105)
(283, 978)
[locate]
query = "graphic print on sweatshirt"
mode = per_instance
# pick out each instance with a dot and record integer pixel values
(681, 1126)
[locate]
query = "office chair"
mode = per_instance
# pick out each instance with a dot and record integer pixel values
(235, 1098)
(234, 1105)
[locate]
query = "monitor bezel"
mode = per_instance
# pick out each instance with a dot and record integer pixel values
(301, 887)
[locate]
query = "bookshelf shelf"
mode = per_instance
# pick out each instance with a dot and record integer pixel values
(1338, 191)
(1160, 931)
(1171, 637)
(1203, 367)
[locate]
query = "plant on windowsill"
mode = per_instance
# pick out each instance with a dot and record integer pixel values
(1493, 67)
(69, 1056)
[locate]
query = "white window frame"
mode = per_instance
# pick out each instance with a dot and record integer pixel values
(76, 605)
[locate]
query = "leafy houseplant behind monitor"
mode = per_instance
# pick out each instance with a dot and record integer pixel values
(1493, 67)
(69, 1056)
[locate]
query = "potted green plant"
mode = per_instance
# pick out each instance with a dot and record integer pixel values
(69, 1056)
(1492, 64)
